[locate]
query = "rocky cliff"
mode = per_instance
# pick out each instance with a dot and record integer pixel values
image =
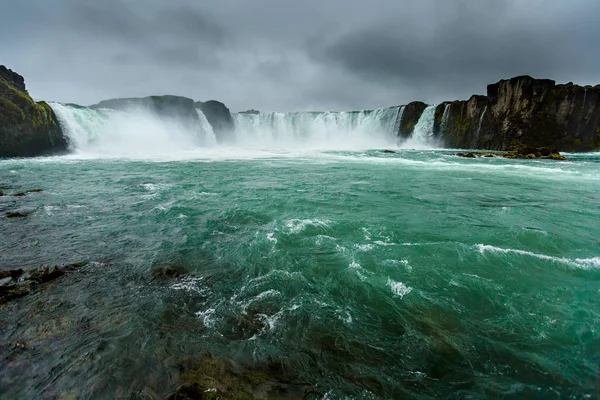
(410, 116)
(27, 128)
(519, 112)
(219, 117)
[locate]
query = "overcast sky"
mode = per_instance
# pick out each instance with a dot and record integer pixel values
(280, 55)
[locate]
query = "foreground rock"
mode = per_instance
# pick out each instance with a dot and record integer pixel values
(27, 128)
(18, 283)
(213, 378)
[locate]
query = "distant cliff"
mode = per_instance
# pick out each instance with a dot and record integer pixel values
(165, 106)
(517, 112)
(27, 128)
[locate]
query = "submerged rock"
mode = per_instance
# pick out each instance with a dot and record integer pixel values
(214, 378)
(18, 283)
(18, 214)
(27, 128)
(166, 272)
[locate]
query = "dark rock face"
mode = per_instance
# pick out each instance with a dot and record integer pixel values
(219, 117)
(410, 117)
(27, 128)
(522, 112)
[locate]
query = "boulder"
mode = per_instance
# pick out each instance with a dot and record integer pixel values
(27, 128)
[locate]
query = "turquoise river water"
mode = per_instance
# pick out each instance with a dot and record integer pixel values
(362, 274)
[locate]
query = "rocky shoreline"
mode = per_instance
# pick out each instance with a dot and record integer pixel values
(516, 113)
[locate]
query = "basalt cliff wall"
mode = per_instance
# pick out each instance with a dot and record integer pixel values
(518, 112)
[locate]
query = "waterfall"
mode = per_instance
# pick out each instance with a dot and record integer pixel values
(207, 128)
(125, 133)
(481, 121)
(140, 132)
(398, 123)
(422, 134)
(445, 117)
(329, 130)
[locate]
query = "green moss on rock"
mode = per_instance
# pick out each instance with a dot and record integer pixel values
(27, 128)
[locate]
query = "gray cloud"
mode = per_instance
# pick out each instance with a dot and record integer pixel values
(284, 55)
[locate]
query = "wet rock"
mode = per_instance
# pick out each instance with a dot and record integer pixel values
(46, 274)
(18, 214)
(530, 156)
(13, 292)
(547, 151)
(558, 157)
(389, 151)
(1, 193)
(214, 378)
(17, 283)
(489, 156)
(193, 392)
(13, 273)
(466, 155)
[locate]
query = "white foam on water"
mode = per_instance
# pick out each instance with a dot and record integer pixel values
(354, 265)
(582, 263)
(364, 247)
(190, 284)
(398, 288)
(271, 238)
(207, 317)
(298, 225)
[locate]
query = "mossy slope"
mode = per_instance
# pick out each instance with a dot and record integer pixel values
(27, 128)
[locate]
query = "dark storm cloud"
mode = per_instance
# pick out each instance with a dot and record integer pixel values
(285, 55)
